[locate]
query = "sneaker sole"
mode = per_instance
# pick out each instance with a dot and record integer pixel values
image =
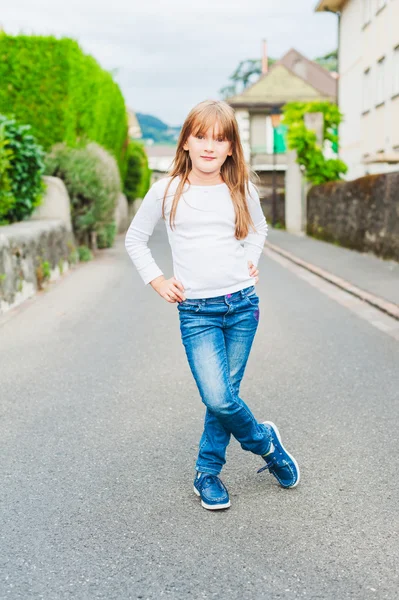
(211, 506)
(290, 455)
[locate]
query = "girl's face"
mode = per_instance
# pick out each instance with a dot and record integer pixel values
(208, 151)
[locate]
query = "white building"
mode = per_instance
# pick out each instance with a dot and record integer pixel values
(160, 159)
(368, 88)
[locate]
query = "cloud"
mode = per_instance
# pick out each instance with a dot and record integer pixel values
(169, 57)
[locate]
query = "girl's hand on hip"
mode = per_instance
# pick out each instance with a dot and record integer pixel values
(171, 290)
(253, 271)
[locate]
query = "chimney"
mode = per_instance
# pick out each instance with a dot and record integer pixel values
(264, 57)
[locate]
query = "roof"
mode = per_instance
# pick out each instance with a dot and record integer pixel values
(330, 5)
(293, 78)
(315, 74)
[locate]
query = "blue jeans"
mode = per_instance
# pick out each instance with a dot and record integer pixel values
(217, 334)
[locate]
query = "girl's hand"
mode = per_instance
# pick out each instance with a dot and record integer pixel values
(171, 289)
(253, 271)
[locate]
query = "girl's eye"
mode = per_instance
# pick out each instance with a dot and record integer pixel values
(199, 136)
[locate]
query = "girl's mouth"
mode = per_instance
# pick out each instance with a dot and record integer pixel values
(208, 157)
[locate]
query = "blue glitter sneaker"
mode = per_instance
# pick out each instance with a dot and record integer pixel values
(213, 492)
(279, 462)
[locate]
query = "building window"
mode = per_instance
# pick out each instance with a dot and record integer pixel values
(367, 11)
(395, 75)
(367, 90)
(380, 82)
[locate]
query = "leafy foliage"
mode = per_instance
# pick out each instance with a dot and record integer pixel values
(247, 72)
(138, 174)
(63, 93)
(106, 235)
(6, 197)
(21, 169)
(92, 179)
(318, 169)
(329, 61)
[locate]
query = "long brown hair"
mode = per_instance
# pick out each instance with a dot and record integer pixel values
(234, 171)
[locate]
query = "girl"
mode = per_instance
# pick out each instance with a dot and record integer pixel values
(209, 205)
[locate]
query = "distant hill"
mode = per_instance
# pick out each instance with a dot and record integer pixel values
(154, 129)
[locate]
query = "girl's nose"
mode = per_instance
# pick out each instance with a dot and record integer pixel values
(209, 145)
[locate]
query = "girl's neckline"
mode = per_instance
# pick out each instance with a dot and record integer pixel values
(216, 185)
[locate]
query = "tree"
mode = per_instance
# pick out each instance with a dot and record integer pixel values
(247, 72)
(329, 61)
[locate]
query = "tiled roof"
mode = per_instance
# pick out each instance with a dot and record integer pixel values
(315, 74)
(293, 78)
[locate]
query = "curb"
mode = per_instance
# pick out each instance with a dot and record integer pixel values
(389, 308)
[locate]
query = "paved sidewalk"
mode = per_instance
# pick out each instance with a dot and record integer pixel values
(375, 276)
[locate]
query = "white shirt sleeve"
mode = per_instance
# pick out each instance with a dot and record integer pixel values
(139, 232)
(254, 242)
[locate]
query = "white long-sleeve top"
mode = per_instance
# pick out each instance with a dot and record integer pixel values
(207, 258)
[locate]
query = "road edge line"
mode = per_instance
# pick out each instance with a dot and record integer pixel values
(389, 308)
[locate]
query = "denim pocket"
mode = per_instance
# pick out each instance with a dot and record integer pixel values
(253, 299)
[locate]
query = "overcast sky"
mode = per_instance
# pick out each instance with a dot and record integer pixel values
(168, 57)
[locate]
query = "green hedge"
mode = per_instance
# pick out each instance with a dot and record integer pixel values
(21, 170)
(63, 93)
(6, 198)
(92, 178)
(138, 173)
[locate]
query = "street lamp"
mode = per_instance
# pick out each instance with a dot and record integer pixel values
(275, 118)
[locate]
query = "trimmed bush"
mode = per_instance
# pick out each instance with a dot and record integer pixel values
(92, 179)
(6, 197)
(138, 173)
(106, 235)
(21, 169)
(63, 93)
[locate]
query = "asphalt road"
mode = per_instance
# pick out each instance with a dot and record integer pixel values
(99, 425)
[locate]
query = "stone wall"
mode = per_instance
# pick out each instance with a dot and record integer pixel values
(267, 207)
(55, 203)
(38, 250)
(42, 248)
(362, 214)
(265, 187)
(31, 252)
(121, 214)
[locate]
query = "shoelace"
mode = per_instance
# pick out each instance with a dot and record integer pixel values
(209, 479)
(272, 462)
